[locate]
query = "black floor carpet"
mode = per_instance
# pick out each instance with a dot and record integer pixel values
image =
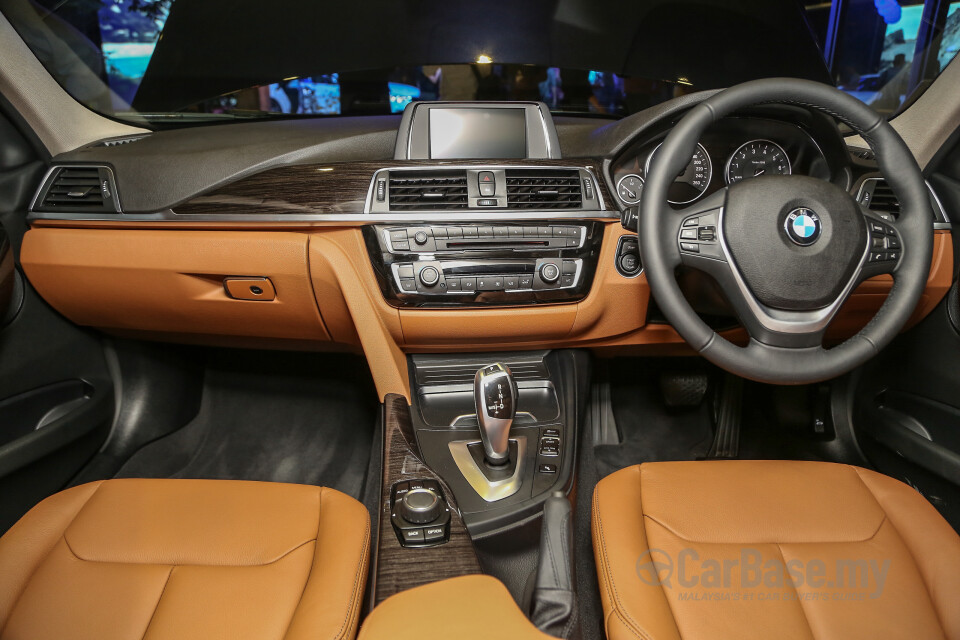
(279, 417)
(651, 431)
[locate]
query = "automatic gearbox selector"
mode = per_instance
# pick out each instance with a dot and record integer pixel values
(495, 394)
(420, 506)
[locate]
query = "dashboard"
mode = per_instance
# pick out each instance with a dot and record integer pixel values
(401, 235)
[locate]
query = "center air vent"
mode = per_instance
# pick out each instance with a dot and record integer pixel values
(426, 191)
(543, 189)
(78, 190)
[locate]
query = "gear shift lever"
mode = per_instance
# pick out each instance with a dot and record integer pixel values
(495, 393)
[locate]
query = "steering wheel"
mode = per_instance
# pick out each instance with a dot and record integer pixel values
(786, 250)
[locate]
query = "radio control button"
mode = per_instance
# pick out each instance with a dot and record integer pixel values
(501, 232)
(421, 237)
(439, 232)
(516, 232)
(398, 235)
(485, 232)
(401, 245)
(454, 232)
(469, 232)
(530, 232)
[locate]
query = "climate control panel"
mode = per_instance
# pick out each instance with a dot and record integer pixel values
(474, 264)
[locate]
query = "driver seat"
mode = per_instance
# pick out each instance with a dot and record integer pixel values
(771, 549)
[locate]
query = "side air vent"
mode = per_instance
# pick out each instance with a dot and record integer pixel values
(428, 190)
(876, 195)
(543, 189)
(76, 189)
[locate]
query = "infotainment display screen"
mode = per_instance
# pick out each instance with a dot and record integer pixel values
(477, 133)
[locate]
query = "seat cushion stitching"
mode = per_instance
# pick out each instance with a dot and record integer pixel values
(313, 564)
(646, 534)
(926, 587)
(608, 581)
(63, 537)
(357, 593)
(799, 600)
(157, 606)
(187, 564)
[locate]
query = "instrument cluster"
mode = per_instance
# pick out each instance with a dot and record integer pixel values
(733, 150)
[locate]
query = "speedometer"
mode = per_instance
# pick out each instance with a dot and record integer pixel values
(692, 181)
(757, 158)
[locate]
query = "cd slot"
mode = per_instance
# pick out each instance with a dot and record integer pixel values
(469, 244)
(490, 268)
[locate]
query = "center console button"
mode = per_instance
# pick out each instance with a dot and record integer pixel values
(420, 506)
(511, 282)
(408, 285)
(516, 232)
(549, 272)
(429, 276)
(453, 284)
(485, 232)
(486, 183)
(530, 232)
(432, 534)
(544, 232)
(501, 232)
(526, 282)
(439, 232)
(454, 232)
(398, 235)
(469, 232)
(421, 237)
(468, 285)
(490, 283)
(400, 245)
(413, 535)
(405, 270)
(569, 267)
(568, 281)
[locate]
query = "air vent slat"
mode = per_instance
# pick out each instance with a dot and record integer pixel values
(543, 189)
(87, 189)
(426, 191)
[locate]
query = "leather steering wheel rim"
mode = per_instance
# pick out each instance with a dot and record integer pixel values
(769, 356)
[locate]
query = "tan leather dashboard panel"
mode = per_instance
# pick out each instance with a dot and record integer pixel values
(168, 284)
(172, 281)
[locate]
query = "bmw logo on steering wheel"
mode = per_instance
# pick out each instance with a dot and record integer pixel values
(803, 226)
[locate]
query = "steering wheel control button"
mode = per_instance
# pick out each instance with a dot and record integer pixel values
(549, 272)
(691, 222)
(688, 234)
(690, 247)
(803, 227)
(706, 234)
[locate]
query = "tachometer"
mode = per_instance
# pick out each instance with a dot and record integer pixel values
(757, 158)
(692, 181)
(628, 189)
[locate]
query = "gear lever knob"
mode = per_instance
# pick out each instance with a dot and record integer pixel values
(495, 393)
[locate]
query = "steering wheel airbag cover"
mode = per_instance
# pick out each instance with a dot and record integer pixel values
(780, 273)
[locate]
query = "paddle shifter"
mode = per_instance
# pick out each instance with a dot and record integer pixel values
(495, 393)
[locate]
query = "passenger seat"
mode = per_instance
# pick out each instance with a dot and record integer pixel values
(157, 559)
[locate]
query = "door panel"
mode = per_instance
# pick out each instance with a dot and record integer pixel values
(56, 392)
(907, 409)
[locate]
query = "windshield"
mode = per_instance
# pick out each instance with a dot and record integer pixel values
(172, 62)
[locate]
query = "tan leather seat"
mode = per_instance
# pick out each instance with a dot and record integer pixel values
(814, 550)
(131, 559)
(473, 607)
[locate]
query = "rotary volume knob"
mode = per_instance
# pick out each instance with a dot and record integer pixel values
(429, 276)
(420, 506)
